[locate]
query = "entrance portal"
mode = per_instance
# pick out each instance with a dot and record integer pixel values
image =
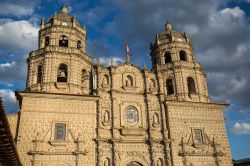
(134, 163)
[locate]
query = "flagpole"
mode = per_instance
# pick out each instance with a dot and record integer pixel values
(127, 53)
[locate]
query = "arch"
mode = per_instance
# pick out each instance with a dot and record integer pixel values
(160, 162)
(156, 118)
(135, 159)
(107, 162)
(167, 57)
(191, 85)
(47, 41)
(183, 55)
(62, 73)
(40, 73)
(129, 81)
(79, 44)
(84, 75)
(106, 116)
(63, 41)
(134, 163)
(169, 86)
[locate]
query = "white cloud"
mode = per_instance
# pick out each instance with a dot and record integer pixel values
(17, 35)
(7, 65)
(18, 8)
(107, 60)
(8, 95)
(241, 128)
(234, 12)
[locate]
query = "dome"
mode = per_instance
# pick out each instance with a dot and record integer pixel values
(170, 35)
(63, 17)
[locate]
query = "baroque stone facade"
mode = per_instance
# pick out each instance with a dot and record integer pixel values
(74, 112)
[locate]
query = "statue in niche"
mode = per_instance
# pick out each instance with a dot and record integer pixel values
(106, 117)
(160, 162)
(151, 85)
(107, 162)
(105, 81)
(156, 120)
(129, 81)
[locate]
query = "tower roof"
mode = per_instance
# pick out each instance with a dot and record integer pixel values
(169, 34)
(64, 16)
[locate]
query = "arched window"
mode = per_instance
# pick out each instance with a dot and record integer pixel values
(191, 85)
(63, 41)
(47, 41)
(79, 44)
(62, 74)
(156, 118)
(170, 86)
(129, 81)
(84, 75)
(40, 73)
(167, 57)
(183, 55)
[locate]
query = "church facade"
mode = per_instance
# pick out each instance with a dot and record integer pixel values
(79, 113)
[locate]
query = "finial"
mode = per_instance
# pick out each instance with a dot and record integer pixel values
(42, 23)
(168, 26)
(84, 26)
(64, 9)
(111, 61)
(145, 66)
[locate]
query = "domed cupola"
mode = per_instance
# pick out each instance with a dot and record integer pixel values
(62, 22)
(170, 46)
(172, 57)
(61, 64)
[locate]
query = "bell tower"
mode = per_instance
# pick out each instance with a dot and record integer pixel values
(173, 59)
(61, 64)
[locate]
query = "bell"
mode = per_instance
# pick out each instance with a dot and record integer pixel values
(62, 74)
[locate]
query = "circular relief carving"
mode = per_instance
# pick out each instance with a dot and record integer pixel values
(131, 115)
(64, 24)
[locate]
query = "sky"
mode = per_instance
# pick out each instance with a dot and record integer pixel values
(219, 30)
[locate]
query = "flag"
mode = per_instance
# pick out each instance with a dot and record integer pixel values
(127, 48)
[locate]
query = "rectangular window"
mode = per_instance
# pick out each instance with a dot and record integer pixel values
(198, 136)
(60, 131)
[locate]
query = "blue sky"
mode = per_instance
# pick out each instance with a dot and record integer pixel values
(219, 30)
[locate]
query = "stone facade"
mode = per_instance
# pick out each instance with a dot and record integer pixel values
(75, 112)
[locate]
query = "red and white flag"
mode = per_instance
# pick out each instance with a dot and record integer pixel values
(127, 48)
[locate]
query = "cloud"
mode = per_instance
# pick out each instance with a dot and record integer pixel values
(8, 95)
(107, 60)
(219, 37)
(7, 65)
(9, 100)
(18, 35)
(13, 72)
(18, 8)
(241, 128)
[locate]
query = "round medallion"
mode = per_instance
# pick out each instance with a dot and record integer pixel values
(131, 115)
(64, 24)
